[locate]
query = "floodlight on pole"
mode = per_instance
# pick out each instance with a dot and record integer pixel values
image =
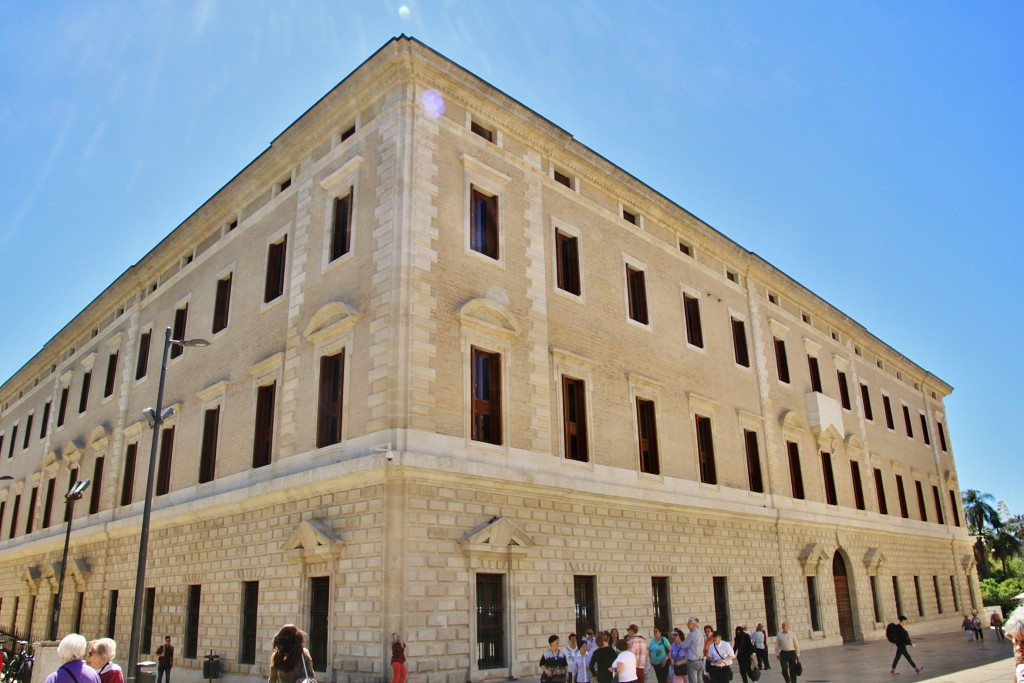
(73, 495)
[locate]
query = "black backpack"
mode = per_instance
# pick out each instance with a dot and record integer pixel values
(890, 633)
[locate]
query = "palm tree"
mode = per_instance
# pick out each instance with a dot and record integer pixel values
(982, 520)
(1005, 545)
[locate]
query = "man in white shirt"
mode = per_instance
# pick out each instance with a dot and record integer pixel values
(721, 656)
(570, 651)
(789, 653)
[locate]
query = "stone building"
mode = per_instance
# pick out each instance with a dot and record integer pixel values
(471, 382)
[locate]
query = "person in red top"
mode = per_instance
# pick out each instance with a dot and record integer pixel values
(399, 671)
(101, 658)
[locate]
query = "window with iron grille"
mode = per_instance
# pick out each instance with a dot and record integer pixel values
(770, 611)
(490, 621)
(191, 647)
(148, 610)
(662, 605)
(250, 608)
(585, 597)
(721, 588)
(319, 609)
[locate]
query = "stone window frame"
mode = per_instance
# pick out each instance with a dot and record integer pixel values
(267, 371)
(568, 364)
(488, 326)
(703, 406)
(751, 422)
(652, 390)
(339, 183)
(691, 292)
(566, 228)
(226, 271)
(213, 396)
(282, 233)
(630, 262)
(488, 180)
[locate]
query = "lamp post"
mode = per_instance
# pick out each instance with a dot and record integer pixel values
(73, 495)
(155, 417)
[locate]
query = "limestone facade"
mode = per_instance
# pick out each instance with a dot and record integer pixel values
(435, 485)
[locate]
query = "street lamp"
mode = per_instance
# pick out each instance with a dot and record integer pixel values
(154, 418)
(73, 495)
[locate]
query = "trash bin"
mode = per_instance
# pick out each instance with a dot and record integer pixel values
(145, 673)
(211, 667)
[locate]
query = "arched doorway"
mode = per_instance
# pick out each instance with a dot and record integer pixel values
(843, 603)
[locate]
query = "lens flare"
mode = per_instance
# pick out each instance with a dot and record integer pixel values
(433, 103)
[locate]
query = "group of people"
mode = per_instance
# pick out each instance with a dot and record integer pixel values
(83, 661)
(685, 656)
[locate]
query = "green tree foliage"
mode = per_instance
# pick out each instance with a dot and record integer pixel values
(982, 521)
(1002, 593)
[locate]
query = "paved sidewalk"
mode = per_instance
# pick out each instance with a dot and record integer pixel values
(946, 658)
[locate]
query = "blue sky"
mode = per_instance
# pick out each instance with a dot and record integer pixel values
(873, 151)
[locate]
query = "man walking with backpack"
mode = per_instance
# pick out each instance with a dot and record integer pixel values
(898, 636)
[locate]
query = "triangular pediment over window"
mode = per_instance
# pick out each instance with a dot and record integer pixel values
(312, 536)
(31, 577)
(811, 558)
(873, 560)
(497, 535)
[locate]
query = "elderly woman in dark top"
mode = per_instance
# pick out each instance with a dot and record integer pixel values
(290, 660)
(73, 670)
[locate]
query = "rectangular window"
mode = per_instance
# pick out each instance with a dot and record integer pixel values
(706, 450)
(349, 132)
(908, 423)
(887, 406)
(970, 592)
(739, 343)
(141, 365)
(781, 360)
(896, 594)
(812, 366)
(108, 385)
(938, 505)
(148, 609)
(163, 476)
(486, 381)
(754, 478)
(858, 485)
(938, 593)
(942, 436)
(481, 131)
(830, 479)
(661, 603)
(111, 614)
(770, 612)
(902, 495)
(222, 304)
(954, 509)
(883, 508)
(51, 486)
(319, 610)
(128, 482)
(178, 333)
(341, 227)
(263, 432)
(563, 179)
(273, 286)
(875, 603)
(191, 645)
(865, 396)
(629, 216)
(490, 618)
(28, 432)
(844, 390)
(721, 588)
(917, 594)
(574, 419)
(97, 486)
(647, 431)
(14, 516)
(329, 404)
(694, 329)
(46, 420)
(79, 604)
(83, 399)
(483, 223)
(250, 610)
(812, 603)
(796, 475)
(30, 522)
(920, 501)
(208, 448)
(637, 291)
(14, 439)
(956, 595)
(62, 409)
(924, 430)
(567, 256)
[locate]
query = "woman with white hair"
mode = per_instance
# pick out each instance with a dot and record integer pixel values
(1014, 630)
(71, 651)
(101, 658)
